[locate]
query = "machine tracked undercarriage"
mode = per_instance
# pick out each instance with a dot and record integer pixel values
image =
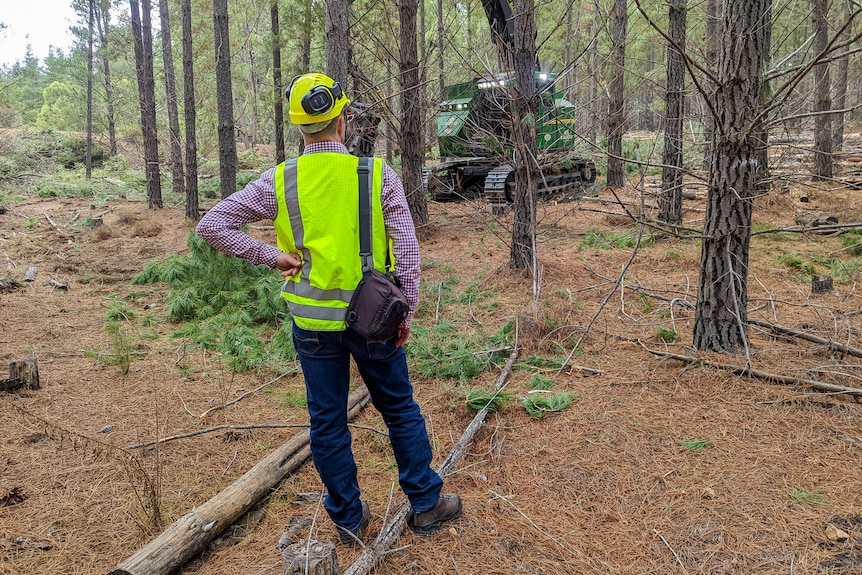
(474, 129)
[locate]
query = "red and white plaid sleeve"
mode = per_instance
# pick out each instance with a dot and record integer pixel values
(399, 226)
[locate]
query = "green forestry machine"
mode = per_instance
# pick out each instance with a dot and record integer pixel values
(474, 129)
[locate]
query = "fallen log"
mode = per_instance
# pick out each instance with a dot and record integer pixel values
(750, 372)
(374, 553)
(189, 535)
(849, 350)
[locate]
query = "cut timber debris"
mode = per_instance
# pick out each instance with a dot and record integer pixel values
(310, 558)
(190, 534)
(749, 372)
(23, 374)
(809, 220)
(373, 554)
(780, 329)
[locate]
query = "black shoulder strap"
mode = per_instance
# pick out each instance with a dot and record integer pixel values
(365, 174)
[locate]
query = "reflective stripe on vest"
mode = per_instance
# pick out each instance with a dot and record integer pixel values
(318, 203)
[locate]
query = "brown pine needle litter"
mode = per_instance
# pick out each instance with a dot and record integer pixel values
(607, 485)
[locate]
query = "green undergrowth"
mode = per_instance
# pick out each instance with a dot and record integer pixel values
(852, 241)
(539, 402)
(607, 240)
(226, 305)
(443, 350)
(842, 270)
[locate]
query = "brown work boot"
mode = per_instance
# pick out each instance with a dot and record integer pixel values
(448, 508)
(355, 537)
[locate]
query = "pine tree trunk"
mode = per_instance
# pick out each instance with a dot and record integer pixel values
(713, 35)
(841, 84)
(224, 96)
(525, 107)
(721, 314)
(822, 101)
(760, 135)
(277, 85)
(143, 39)
(338, 40)
(177, 172)
(88, 161)
(103, 21)
(671, 175)
(192, 200)
(441, 68)
(411, 114)
(595, 76)
(616, 89)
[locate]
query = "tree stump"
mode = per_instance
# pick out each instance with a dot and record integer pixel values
(821, 284)
(23, 373)
(310, 558)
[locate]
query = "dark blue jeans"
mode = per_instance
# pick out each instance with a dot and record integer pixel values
(325, 360)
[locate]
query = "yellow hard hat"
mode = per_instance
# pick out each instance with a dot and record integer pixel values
(315, 98)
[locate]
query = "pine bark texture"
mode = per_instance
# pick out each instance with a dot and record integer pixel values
(224, 96)
(338, 40)
(103, 21)
(822, 99)
(671, 175)
(761, 131)
(616, 89)
(713, 36)
(143, 40)
(412, 151)
(841, 85)
(177, 171)
(525, 108)
(277, 85)
(190, 113)
(721, 314)
(88, 161)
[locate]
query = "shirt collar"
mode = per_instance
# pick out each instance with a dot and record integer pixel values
(331, 146)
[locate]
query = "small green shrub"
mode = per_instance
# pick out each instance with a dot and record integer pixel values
(666, 334)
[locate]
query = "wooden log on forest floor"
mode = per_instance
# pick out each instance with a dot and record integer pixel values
(23, 374)
(374, 553)
(809, 220)
(189, 535)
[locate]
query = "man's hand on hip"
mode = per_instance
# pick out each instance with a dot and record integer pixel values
(288, 264)
(403, 334)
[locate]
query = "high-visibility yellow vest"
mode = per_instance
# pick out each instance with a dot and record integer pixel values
(318, 218)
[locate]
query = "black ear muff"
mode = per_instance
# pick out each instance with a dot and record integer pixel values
(321, 99)
(289, 87)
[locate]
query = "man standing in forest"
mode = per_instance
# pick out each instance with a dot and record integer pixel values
(313, 201)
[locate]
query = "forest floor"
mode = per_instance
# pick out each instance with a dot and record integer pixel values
(655, 467)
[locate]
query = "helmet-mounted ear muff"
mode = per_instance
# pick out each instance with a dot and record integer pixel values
(320, 99)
